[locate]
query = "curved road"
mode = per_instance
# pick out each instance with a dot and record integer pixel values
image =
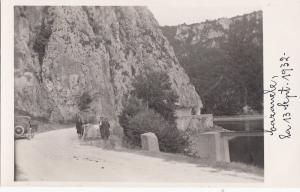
(59, 156)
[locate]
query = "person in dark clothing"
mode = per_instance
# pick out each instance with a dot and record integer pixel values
(83, 120)
(104, 129)
(79, 127)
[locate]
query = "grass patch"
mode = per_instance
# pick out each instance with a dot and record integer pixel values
(221, 166)
(237, 166)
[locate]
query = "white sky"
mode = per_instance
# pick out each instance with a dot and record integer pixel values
(169, 12)
(175, 15)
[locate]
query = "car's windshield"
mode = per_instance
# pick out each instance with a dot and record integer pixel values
(22, 119)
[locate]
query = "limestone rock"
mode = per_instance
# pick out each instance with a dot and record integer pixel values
(61, 52)
(209, 34)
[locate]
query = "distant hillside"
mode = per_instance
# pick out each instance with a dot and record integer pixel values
(224, 60)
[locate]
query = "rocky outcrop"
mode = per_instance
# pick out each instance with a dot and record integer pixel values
(61, 52)
(209, 34)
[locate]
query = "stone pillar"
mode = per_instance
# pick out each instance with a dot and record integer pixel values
(247, 126)
(150, 142)
(219, 146)
(222, 148)
(226, 149)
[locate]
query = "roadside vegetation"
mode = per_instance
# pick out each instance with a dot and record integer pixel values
(151, 108)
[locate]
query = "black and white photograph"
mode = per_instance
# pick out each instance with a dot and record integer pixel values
(138, 94)
(197, 94)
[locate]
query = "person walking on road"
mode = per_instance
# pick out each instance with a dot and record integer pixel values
(104, 129)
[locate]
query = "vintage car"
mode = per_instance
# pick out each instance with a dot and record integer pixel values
(24, 128)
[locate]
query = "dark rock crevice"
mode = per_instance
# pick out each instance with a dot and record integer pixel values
(42, 39)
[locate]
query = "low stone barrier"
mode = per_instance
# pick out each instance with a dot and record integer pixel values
(195, 122)
(214, 145)
(203, 145)
(150, 142)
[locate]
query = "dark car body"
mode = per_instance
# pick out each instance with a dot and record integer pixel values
(23, 127)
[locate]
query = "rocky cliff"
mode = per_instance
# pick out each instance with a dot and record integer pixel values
(212, 33)
(61, 52)
(224, 60)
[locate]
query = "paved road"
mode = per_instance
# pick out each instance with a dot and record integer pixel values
(59, 156)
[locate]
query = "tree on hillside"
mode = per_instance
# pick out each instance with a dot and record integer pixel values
(245, 60)
(228, 75)
(154, 89)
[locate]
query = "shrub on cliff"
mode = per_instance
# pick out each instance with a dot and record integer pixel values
(84, 101)
(154, 89)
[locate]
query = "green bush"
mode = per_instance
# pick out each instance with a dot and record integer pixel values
(130, 108)
(137, 119)
(173, 140)
(151, 108)
(154, 89)
(144, 121)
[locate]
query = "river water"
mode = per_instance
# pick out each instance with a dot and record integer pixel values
(249, 150)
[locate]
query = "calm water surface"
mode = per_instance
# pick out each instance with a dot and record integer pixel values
(248, 150)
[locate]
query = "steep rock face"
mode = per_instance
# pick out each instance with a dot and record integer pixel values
(30, 96)
(224, 60)
(61, 52)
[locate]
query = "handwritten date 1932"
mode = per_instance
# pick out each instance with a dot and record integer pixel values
(280, 100)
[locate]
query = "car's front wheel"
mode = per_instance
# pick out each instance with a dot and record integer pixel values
(19, 131)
